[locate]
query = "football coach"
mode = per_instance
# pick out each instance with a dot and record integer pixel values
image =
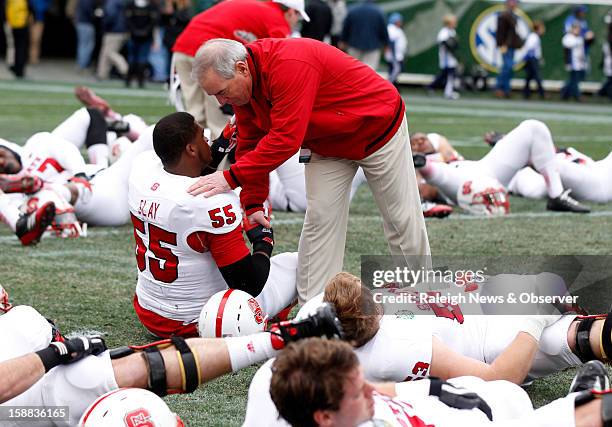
(302, 94)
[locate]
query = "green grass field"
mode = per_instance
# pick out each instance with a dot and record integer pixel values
(87, 284)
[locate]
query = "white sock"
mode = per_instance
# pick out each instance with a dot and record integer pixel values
(98, 154)
(549, 171)
(250, 349)
(9, 213)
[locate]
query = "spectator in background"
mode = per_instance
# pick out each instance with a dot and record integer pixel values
(174, 19)
(142, 17)
(606, 47)
(17, 16)
(364, 33)
(447, 58)
(338, 9)
(575, 60)
(240, 20)
(533, 59)
(579, 17)
(320, 24)
(398, 46)
(37, 26)
(507, 40)
(86, 32)
(115, 36)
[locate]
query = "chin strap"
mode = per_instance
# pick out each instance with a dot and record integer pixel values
(187, 360)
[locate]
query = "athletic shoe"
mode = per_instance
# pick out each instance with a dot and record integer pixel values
(435, 210)
(30, 227)
(118, 126)
(20, 184)
(90, 99)
(566, 203)
(324, 323)
(590, 376)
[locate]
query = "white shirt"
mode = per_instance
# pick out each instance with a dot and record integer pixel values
(533, 46)
(399, 43)
(176, 275)
(445, 57)
(607, 59)
(575, 44)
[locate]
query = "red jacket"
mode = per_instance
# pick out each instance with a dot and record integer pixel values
(307, 93)
(241, 20)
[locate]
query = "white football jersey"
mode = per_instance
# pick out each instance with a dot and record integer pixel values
(51, 158)
(177, 274)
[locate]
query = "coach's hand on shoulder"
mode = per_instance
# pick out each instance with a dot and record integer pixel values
(210, 185)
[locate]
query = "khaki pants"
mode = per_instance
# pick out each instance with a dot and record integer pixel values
(206, 109)
(368, 57)
(109, 55)
(391, 177)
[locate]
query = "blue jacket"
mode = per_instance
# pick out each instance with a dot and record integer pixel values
(365, 27)
(114, 16)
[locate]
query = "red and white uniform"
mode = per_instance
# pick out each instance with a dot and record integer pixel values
(414, 407)
(402, 348)
(23, 330)
(182, 240)
(50, 157)
(588, 179)
(241, 20)
(528, 143)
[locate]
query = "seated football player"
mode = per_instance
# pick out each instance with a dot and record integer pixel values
(321, 383)
(191, 247)
(444, 342)
(32, 375)
(529, 143)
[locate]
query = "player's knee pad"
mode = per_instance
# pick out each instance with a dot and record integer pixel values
(187, 359)
(583, 347)
(33, 328)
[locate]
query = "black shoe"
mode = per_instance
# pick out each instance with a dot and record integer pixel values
(590, 376)
(118, 126)
(30, 227)
(419, 160)
(566, 203)
(324, 323)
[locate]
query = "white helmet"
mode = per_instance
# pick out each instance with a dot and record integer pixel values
(129, 407)
(483, 196)
(231, 313)
(5, 305)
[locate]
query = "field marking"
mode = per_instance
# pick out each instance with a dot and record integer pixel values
(506, 113)
(519, 215)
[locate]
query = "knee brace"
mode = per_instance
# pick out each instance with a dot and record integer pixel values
(583, 345)
(151, 353)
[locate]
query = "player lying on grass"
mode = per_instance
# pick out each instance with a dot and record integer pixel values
(321, 383)
(528, 143)
(191, 247)
(428, 339)
(31, 375)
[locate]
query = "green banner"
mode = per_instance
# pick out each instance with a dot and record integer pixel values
(475, 30)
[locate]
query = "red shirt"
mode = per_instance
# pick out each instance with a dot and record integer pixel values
(241, 20)
(307, 93)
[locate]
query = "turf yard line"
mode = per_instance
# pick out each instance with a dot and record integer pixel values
(69, 89)
(510, 114)
(520, 215)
